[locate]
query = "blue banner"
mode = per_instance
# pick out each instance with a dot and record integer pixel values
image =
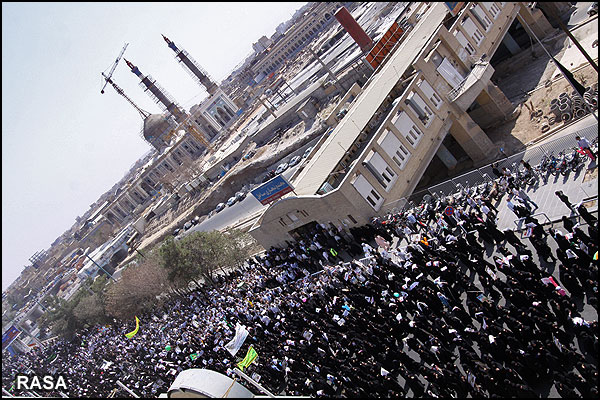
(10, 335)
(272, 190)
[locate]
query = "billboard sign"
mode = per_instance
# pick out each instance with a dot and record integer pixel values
(272, 190)
(454, 7)
(10, 335)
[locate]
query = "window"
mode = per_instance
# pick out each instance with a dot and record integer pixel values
(472, 30)
(420, 108)
(394, 149)
(367, 191)
(492, 8)
(407, 128)
(449, 73)
(352, 219)
(464, 42)
(381, 170)
(481, 17)
(430, 93)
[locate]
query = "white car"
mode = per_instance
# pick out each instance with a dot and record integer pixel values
(220, 207)
(281, 168)
(231, 201)
(307, 152)
(294, 161)
(239, 196)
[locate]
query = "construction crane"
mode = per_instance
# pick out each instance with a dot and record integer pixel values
(112, 69)
(108, 79)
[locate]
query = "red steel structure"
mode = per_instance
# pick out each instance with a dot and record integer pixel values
(353, 28)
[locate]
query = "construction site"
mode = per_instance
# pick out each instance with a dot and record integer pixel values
(474, 94)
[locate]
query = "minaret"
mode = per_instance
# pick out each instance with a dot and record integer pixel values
(160, 95)
(200, 75)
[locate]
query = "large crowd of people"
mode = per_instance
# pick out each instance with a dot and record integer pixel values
(421, 303)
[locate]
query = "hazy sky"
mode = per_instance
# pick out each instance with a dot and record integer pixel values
(63, 143)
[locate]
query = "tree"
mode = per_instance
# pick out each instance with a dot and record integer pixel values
(61, 316)
(138, 288)
(99, 284)
(179, 272)
(90, 310)
(207, 253)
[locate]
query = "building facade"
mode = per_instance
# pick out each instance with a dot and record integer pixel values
(399, 122)
(216, 113)
(143, 188)
(295, 38)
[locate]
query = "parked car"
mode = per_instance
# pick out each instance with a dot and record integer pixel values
(294, 161)
(282, 167)
(593, 9)
(196, 220)
(231, 201)
(268, 176)
(176, 232)
(307, 152)
(240, 196)
(188, 225)
(220, 207)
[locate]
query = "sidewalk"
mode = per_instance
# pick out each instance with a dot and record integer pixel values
(572, 185)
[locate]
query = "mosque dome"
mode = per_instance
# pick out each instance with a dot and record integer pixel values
(156, 126)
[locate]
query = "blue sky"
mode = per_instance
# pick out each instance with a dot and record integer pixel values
(63, 143)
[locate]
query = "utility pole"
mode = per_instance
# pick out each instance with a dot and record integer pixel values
(570, 35)
(585, 104)
(329, 72)
(97, 265)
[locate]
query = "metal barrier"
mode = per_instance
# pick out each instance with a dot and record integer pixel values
(519, 221)
(484, 174)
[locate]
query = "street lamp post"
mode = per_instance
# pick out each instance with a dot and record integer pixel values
(97, 265)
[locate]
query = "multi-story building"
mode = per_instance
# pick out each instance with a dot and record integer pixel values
(413, 105)
(295, 39)
(262, 44)
(144, 186)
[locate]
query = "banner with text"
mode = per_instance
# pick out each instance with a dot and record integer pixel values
(272, 190)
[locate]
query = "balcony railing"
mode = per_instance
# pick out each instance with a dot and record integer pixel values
(479, 68)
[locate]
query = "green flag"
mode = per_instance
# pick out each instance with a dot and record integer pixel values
(250, 357)
(193, 356)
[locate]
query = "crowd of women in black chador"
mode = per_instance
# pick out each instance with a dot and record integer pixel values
(436, 318)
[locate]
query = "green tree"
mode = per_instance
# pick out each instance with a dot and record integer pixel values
(61, 317)
(207, 253)
(179, 271)
(90, 310)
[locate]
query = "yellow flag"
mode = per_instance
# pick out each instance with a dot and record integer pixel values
(133, 332)
(250, 357)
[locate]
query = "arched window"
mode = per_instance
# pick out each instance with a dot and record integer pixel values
(224, 116)
(226, 107)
